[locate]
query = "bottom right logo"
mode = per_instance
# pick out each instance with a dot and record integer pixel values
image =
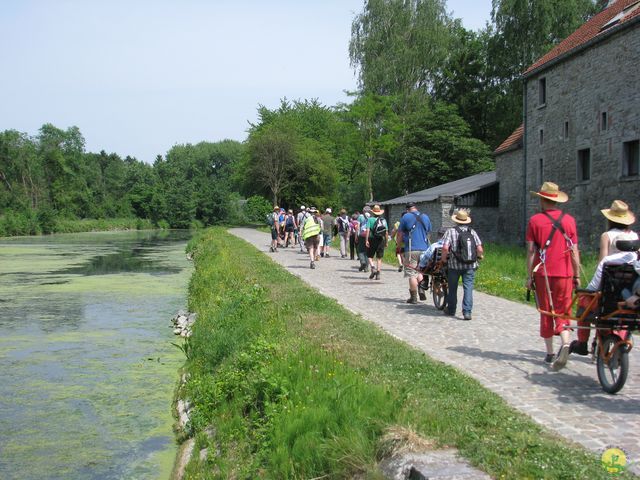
(614, 460)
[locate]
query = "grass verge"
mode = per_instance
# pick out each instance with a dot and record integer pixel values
(295, 386)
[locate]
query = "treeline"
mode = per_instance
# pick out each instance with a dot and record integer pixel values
(433, 100)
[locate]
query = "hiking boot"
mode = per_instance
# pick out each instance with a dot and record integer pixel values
(313, 265)
(271, 249)
(400, 268)
(413, 299)
(466, 315)
(561, 358)
(326, 255)
(373, 273)
(549, 358)
(377, 274)
(421, 293)
(579, 348)
(322, 254)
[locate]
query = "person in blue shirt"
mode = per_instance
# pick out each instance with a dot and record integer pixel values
(414, 231)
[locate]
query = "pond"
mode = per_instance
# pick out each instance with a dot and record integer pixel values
(88, 366)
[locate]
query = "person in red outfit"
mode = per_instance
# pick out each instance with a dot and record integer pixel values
(553, 262)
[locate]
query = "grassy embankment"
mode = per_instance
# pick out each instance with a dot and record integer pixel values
(10, 226)
(296, 386)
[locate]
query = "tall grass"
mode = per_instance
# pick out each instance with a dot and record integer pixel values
(297, 387)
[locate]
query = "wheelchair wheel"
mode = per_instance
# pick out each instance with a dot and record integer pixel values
(612, 374)
(439, 292)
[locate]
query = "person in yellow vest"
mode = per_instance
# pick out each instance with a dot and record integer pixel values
(311, 235)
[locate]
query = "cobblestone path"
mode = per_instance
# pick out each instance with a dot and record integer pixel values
(500, 348)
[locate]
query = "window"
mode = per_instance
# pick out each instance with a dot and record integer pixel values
(542, 92)
(631, 159)
(566, 129)
(584, 165)
(540, 171)
(604, 125)
(541, 136)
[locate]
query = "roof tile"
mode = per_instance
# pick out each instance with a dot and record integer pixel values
(513, 141)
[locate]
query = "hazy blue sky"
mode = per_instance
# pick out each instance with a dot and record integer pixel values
(139, 76)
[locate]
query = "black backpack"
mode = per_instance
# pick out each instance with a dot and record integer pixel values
(467, 251)
(379, 229)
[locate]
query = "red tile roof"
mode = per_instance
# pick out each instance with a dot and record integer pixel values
(588, 31)
(513, 142)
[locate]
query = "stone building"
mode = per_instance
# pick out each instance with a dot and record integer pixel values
(581, 126)
(479, 193)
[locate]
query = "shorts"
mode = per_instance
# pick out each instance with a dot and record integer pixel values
(274, 234)
(312, 242)
(288, 229)
(411, 263)
(376, 247)
(326, 239)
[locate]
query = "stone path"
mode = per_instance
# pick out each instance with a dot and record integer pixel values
(500, 348)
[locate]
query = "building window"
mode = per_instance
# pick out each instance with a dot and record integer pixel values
(584, 165)
(631, 159)
(566, 129)
(604, 124)
(541, 136)
(542, 91)
(540, 172)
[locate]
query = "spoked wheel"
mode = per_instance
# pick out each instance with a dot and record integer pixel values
(613, 366)
(439, 292)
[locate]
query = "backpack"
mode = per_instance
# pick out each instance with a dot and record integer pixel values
(289, 221)
(271, 219)
(379, 229)
(467, 248)
(343, 225)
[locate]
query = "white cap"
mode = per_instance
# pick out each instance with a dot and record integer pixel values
(302, 207)
(328, 210)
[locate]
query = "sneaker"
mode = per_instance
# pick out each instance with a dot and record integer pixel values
(322, 254)
(373, 274)
(313, 265)
(377, 274)
(326, 255)
(271, 249)
(549, 358)
(561, 358)
(400, 268)
(467, 316)
(579, 348)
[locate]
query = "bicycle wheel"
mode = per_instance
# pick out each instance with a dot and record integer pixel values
(612, 374)
(439, 292)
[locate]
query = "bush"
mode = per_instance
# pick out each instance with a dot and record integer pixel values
(257, 208)
(163, 224)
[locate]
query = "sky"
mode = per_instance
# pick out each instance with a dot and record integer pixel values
(139, 76)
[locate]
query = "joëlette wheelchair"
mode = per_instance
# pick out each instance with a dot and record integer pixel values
(435, 278)
(605, 312)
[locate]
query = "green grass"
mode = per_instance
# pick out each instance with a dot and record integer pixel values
(295, 386)
(101, 225)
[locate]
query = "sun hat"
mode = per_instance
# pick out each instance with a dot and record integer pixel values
(376, 210)
(619, 213)
(276, 208)
(461, 216)
(302, 207)
(550, 191)
(289, 211)
(328, 210)
(343, 211)
(312, 209)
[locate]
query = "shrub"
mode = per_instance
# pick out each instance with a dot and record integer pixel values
(257, 208)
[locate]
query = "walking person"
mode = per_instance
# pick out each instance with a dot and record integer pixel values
(272, 220)
(354, 228)
(342, 225)
(311, 231)
(377, 237)
(362, 239)
(461, 250)
(302, 216)
(553, 263)
(328, 222)
(289, 229)
(318, 217)
(414, 231)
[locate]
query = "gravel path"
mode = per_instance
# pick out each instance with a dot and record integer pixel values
(500, 348)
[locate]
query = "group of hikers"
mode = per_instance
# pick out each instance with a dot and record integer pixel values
(365, 236)
(553, 257)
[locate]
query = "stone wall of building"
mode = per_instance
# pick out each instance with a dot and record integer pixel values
(510, 219)
(603, 80)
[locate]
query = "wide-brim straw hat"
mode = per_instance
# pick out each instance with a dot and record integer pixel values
(461, 216)
(376, 210)
(619, 213)
(551, 191)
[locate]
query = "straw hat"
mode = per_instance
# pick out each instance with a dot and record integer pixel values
(376, 210)
(619, 213)
(276, 208)
(551, 191)
(461, 216)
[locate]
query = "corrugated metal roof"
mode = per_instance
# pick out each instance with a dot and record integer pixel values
(456, 188)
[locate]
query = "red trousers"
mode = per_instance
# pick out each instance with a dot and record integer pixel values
(561, 289)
